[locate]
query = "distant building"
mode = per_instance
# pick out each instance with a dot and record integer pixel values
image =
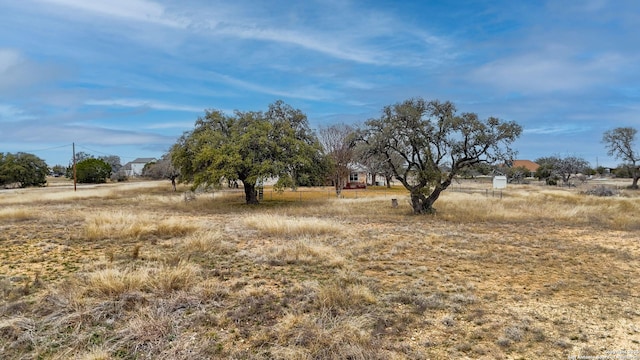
(527, 164)
(135, 167)
(360, 177)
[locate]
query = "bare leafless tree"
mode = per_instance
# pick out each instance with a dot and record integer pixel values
(620, 143)
(337, 141)
(162, 169)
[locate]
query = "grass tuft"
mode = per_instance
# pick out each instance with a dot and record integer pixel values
(301, 252)
(127, 225)
(18, 213)
(282, 225)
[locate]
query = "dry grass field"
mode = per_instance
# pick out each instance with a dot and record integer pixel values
(135, 271)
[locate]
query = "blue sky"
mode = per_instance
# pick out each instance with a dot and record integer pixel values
(128, 77)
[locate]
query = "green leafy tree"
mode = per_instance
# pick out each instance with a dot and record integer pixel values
(435, 144)
(93, 171)
(546, 169)
(79, 157)
(315, 174)
(301, 147)
(620, 143)
(24, 169)
(246, 146)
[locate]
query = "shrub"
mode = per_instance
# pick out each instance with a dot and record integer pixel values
(22, 169)
(601, 191)
(94, 171)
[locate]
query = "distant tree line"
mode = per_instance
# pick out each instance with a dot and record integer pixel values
(422, 144)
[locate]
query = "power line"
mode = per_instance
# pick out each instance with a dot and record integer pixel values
(92, 150)
(80, 146)
(51, 148)
(103, 153)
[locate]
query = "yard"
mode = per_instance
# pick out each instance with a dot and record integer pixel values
(133, 271)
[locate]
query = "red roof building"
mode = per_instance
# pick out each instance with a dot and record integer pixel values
(527, 164)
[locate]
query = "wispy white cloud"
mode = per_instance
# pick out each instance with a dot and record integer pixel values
(11, 113)
(40, 132)
(138, 103)
(136, 10)
(359, 84)
(306, 93)
(171, 125)
(548, 72)
(8, 60)
(339, 31)
(557, 129)
(17, 72)
(333, 47)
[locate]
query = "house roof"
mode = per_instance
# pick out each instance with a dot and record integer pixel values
(356, 167)
(143, 160)
(527, 164)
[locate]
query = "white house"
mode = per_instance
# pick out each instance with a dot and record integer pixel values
(360, 176)
(134, 168)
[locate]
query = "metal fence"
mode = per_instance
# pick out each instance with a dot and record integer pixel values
(307, 195)
(495, 193)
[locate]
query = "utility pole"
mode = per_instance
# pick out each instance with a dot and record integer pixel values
(75, 178)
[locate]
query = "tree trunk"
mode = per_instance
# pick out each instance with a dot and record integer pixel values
(388, 178)
(339, 185)
(250, 194)
(421, 204)
(424, 205)
(634, 185)
(173, 182)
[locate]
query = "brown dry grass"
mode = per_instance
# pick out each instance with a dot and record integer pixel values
(123, 271)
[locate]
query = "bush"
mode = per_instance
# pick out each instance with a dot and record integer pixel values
(119, 176)
(601, 191)
(94, 171)
(23, 169)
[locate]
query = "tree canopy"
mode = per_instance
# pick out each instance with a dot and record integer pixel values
(22, 169)
(247, 146)
(435, 144)
(94, 171)
(560, 168)
(620, 143)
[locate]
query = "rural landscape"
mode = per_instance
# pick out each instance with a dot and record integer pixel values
(319, 180)
(135, 270)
